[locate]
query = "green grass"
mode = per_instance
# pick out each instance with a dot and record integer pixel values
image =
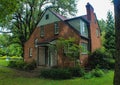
(4, 63)
(8, 77)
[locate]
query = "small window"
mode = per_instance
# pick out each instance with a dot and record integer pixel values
(97, 32)
(67, 48)
(30, 52)
(36, 42)
(84, 48)
(56, 28)
(42, 31)
(47, 16)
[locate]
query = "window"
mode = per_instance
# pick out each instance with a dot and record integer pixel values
(84, 48)
(47, 16)
(97, 32)
(83, 29)
(42, 31)
(36, 42)
(67, 48)
(56, 28)
(30, 52)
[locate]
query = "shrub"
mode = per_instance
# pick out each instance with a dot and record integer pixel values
(20, 64)
(94, 73)
(88, 75)
(56, 73)
(76, 71)
(102, 58)
(12, 64)
(30, 66)
(97, 72)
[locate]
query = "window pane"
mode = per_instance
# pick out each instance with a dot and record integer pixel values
(30, 52)
(56, 28)
(83, 29)
(97, 32)
(84, 48)
(42, 31)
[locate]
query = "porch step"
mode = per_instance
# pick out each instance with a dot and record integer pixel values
(39, 68)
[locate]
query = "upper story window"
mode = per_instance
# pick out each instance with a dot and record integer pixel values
(36, 42)
(42, 31)
(83, 29)
(47, 16)
(56, 28)
(97, 32)
(30, 52)
(84, 48)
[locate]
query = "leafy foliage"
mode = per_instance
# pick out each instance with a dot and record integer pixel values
(94, 73)
(109, 43)
(77, 71)
(102, 59)
(9, 7)
(7, 47)
(56, 74)
(63, 73)
(21, 65)
(69, 46)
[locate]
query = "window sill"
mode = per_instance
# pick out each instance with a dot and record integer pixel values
(84, 53)
(56, 33)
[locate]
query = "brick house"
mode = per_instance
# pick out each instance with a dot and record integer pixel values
(84, 29)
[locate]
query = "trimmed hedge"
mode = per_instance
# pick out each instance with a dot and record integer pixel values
(62, 73)
(56, 74)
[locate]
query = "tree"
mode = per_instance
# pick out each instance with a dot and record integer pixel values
(27, 17)
(7, 47)
(117, 35)
(7, 7)
(109, 36)
(102, 24)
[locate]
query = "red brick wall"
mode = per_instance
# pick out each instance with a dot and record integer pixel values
(95, 41)
(65, 32)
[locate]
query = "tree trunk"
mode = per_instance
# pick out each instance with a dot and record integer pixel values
(117, 35)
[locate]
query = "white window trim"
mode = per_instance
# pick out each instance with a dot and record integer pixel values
(30, 52)
(83, 29)
(86, 48)
(42, 32)
(56, 28)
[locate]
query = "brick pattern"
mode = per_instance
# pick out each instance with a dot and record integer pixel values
(65, 31)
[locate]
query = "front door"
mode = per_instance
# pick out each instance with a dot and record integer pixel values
(41, 55)
(53, 57)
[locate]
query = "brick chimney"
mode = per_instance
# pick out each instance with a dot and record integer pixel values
(90, 11)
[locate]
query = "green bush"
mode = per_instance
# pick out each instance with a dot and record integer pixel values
(102, 58)
(20, 64)
(97, 72)
(94, 73)
(76, 71)
(12, 64)
(30, 66)
(56, 73)
(88, 75)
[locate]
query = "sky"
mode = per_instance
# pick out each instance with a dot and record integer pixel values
(101, 7)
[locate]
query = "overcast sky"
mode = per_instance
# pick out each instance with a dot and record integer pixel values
(101, 7)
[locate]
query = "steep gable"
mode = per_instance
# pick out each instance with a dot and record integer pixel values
(48, 18)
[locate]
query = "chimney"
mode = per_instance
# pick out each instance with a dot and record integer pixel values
(90, 11)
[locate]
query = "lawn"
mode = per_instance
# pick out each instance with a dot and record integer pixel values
(9, 77)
